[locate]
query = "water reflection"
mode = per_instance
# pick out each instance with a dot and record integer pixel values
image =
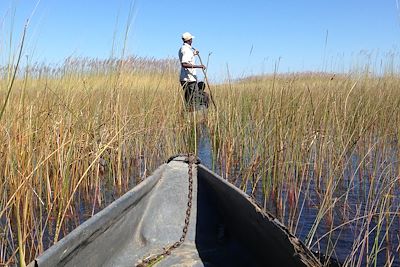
(205, 146)
(350, 227)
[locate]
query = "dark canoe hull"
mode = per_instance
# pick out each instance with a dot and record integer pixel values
(226, 228)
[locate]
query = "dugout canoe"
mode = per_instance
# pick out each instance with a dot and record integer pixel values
(226, 228)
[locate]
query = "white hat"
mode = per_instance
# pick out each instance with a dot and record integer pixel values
(187, 36)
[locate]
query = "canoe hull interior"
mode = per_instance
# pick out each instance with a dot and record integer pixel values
(261, 237)
(226, 228)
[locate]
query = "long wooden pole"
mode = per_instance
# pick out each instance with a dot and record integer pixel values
(207, 83)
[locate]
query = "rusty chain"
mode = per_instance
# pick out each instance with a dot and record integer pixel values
(152, 259)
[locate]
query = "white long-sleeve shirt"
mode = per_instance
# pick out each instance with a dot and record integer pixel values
(186, 55)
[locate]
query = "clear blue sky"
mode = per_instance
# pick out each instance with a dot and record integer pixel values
(247, 36)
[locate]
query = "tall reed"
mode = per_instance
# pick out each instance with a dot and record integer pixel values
(71, 135)
(319, 151)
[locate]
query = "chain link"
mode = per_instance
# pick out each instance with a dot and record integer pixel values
(152, 259)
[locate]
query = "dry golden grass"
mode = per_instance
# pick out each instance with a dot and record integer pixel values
(69, 135)
(326, 142)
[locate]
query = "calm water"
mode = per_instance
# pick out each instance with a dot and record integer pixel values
(344, 238)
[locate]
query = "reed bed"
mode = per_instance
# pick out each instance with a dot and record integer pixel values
(74, 139)
(319, 151)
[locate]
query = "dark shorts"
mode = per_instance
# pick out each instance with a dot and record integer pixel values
(189, 89)
(194, 94)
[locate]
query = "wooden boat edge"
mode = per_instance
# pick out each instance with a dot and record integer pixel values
(97, 224)
(303, 254)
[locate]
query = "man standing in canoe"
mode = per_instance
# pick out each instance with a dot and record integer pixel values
(188, 76)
